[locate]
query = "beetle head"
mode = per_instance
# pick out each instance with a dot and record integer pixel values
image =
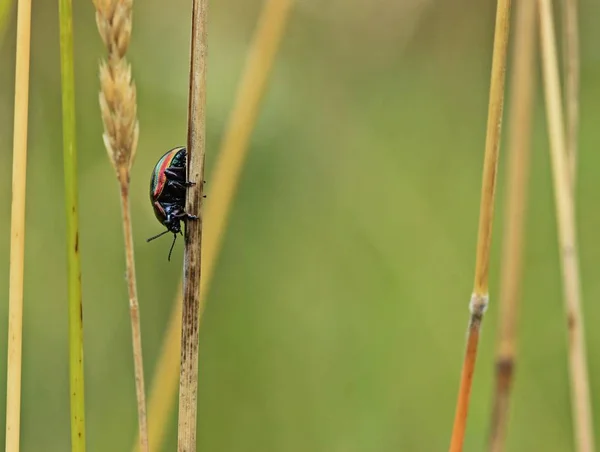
(172, 223)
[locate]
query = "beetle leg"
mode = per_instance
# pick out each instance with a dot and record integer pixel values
(181, 185)
(185, 216)
(176, 172)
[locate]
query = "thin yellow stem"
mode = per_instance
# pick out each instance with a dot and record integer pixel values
(17, 228)
(515, 210)
(224, 181)
(136, 333)
(567, 234)
(118, 107)
(479, 299)
(571, 64)
(492, 148)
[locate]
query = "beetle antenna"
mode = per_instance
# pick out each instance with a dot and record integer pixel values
(172, 245)
(157, 236)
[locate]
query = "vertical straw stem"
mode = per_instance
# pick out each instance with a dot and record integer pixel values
(571, 74)
(518, 152)
(17, 229)
(269, 33)
(480, 297)
(196, 150)
(134, 314)
(565, 216)
(71, 210)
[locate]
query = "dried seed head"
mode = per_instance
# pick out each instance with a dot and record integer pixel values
(118, 95)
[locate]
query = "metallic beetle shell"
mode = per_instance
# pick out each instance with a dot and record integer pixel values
(164, 195)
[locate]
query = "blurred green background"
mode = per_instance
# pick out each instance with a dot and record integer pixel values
(337, 318)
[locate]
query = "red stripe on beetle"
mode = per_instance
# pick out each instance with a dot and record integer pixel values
(161, 178)
(160, 209)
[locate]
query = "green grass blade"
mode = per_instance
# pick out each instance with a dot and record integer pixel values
(73, 259)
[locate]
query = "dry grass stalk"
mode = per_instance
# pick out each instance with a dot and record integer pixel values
(480, 296)
(196, 151)
(17, 229)
(521, 105)
(224, 180)
(570, 26)
(567, 234)
(121, 130)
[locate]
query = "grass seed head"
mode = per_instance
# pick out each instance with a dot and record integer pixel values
(118, 104)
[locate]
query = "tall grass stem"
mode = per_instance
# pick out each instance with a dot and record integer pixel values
(118, 107)
(567, 235)
(134, 312)
(72, 213)
(518, 155)
(196, 151)
(253, 85)
(571, 59)
(17, 229)
(480, 296)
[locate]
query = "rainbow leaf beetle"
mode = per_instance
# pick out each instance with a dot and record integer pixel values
(168, 186)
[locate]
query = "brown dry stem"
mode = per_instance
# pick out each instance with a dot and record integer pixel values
(196, 151)
(121, 130)
(269, 33)
(567, 234)
(17, 229)
(518, 154)
(479, 299)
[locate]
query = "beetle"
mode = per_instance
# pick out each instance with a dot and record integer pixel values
(168, 186)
